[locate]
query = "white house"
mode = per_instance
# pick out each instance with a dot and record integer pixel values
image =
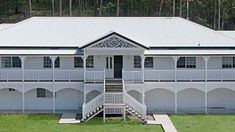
(137, 65)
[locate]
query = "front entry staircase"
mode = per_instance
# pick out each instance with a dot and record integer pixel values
(111, 100)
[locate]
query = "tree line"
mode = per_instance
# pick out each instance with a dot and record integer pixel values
(216, 14)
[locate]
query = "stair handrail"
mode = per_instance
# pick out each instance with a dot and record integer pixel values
(140, 108)
(104, 82)
(123, 86)
(92, 104)
(128, 98)
(83, 110)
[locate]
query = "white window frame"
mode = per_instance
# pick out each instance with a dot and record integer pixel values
(228, 62)
(45, 93)
(47, 62)
(149, 63)
(90, 61)
(13, 62)
(57, 62)
(78, 62)
(137, 61)
(189, 62)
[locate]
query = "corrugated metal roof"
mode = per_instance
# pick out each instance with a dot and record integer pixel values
(5, 25)
(189, 52)
(40, 51)
(230, 34)
(79, 31)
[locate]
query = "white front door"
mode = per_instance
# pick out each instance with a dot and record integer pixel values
(109, 67)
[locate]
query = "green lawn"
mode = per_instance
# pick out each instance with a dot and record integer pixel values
(49, 123)
(204, 123)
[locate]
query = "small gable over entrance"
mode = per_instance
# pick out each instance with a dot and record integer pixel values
(114, 41)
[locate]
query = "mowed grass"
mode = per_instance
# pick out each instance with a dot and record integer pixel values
(49, 123)
(204, 123)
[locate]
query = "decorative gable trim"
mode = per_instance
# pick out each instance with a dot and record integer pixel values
(114, 40)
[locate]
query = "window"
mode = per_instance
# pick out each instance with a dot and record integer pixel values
(43, 93)
(228, 62)
(57, 62)
(16, 62)
(148, 62)
(90, 62)
(190, 62)
(181, 62)
(11, 62)
(78, 62)
(109, 62)
(186, 62)
(47, 62)
(137, 62)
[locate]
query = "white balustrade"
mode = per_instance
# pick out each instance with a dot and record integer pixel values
(94, 76)
(69, 75)
(129, 76)
(159, 75)
(166, 75)
(11, 74)
(92, 105)
(221, 75)
(190, 75)
(140, 108)
(40, 75)
(114, 98)
(132, 76)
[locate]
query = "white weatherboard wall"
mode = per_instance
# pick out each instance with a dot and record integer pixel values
(68, 99)
(37, 63)
(159, 100)
(33, 63)
(100, 63)
(34, 103)
(191, 100)
(10, 100)
(221, 97)
(163, 63)
(215, 63)
(167, 63)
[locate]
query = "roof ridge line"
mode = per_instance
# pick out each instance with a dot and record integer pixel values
(206, 28)
(18, 23)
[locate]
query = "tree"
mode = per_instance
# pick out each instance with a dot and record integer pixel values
(60, 7)
(53, 7)
(118, 8)
(70, 7)
(30, 8)
(173, 6)
(100, 8)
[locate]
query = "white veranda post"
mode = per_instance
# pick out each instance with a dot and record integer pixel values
(22, 58)
(175, 58)
(142, 66)
(53, 58)
(84, 73)
(206, 58)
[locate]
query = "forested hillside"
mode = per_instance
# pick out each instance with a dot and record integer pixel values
(216, 14)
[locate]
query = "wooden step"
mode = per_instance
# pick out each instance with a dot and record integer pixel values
(113, 88)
